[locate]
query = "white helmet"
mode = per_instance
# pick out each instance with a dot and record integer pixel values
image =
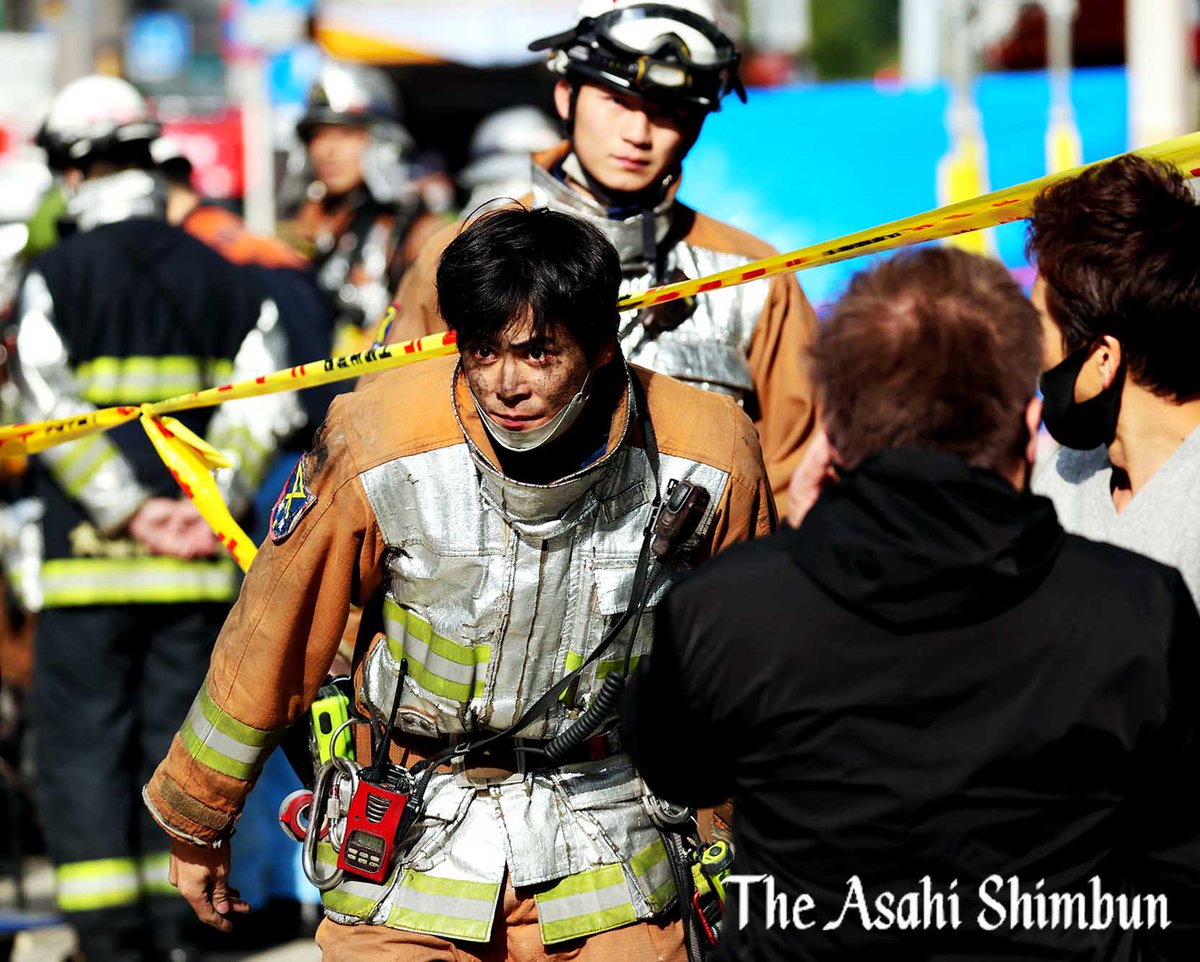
(499, 153)
(672, 51)
(92, 116)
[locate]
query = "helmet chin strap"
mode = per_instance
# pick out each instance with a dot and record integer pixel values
(534, 438)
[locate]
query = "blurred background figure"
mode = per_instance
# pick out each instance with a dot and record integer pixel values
(499, 154)
(362, 218)
(125, 309)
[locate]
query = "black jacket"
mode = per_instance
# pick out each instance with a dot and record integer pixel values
(929, 678)
(143, 288)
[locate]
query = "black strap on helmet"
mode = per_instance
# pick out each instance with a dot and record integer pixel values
(667, 73)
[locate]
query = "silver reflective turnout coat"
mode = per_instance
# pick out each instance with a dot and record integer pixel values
(494, 591)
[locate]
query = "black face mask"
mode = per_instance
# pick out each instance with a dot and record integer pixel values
(1087, 424)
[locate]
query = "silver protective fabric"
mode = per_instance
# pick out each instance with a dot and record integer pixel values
(251, 430)
(117, 197)
(709, 348)
(50, 391)
(625, 233)
(529, 577)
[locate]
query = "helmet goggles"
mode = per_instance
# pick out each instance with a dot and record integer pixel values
(652, 50)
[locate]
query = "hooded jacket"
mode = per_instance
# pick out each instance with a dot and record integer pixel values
(929, 679)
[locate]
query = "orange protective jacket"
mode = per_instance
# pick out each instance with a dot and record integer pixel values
(283, 633)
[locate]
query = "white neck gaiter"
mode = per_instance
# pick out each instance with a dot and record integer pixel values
(534, 438)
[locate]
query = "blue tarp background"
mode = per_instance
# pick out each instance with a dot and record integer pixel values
(805, 164)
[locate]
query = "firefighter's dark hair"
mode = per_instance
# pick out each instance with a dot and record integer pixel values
(514, 263)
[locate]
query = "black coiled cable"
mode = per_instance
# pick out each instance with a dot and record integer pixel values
(602, 706)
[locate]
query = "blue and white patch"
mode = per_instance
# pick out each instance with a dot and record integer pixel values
(294, 500)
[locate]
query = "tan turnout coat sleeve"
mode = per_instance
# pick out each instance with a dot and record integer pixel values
(275, 648)
(280, 639)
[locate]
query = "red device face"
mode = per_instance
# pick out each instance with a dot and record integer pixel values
(371, 827)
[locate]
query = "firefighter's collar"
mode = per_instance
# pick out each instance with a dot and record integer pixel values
(541, 510)
(118, 197)
(625, 231)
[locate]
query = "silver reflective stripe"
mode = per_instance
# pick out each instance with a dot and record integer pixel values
(217, 740)
(429, 903)
(87, 581)
(417, 650)
(584, 903)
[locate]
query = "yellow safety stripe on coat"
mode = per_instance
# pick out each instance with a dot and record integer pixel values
(77, 464)
(451, 908)
(121, 581)
(217, 740)
(154, 874)
(650, 865)
(355, 898)
(252, 456)
(580, 905)
(435, 663)
(138, 379)
(604, 668)
(102, 883)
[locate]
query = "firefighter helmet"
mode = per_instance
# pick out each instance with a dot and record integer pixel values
(353, 95)
(672, 52)
(93, 116)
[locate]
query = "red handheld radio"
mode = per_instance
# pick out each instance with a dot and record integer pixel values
(373, 823)
(376, 811)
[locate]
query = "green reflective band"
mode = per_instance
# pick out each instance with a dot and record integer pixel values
(435, 663)
(251, 454)
(452, 908)
(603, 670)
(116, 380)
(653, 870)
(580, 905)
(76, 463)
(219, 741)
(100, 884)
(154, 874)
(121, 581)
(353, 898)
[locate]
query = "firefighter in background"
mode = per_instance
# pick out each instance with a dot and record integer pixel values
(362, 219)
(498, 164)
(638, 81)
(128, 309)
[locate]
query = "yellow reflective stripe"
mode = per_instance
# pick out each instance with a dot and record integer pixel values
(98, 884)
(651, 867)
(452, 908)
(78, 462)
(606, 668)
(217, 740)
(154, 873)
(98, 581)
(435, 663)
(252, 455)
(580, 905)
(603, 670)
(112, 380)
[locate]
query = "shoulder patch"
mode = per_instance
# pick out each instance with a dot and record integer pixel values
(294, 500)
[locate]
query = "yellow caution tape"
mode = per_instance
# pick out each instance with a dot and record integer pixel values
(190, 459)
(998, 207)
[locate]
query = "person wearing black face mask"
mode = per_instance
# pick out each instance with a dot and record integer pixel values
(926, 681)
(1119, 299)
